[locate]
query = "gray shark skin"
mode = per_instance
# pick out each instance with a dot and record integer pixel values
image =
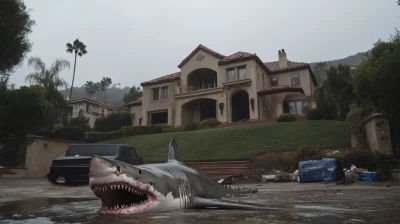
(128, 189)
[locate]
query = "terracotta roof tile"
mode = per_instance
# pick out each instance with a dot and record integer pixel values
(135, 102)
(274, 66)
(165, 78)
(204, 48)
(280, 89)
(238, 56)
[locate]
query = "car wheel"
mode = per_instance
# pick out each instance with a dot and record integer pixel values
(61, 180)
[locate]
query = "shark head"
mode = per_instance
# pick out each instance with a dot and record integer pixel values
(129, 189)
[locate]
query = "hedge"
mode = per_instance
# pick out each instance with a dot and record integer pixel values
(67, 133)
(314, 114)
(286, 117)
(125, 132)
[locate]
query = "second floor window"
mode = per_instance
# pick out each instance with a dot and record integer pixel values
(274, 81)
(159, 93)
(164, 92)
(156, 94)
(242, 73)
(231, 75)
(295, 79)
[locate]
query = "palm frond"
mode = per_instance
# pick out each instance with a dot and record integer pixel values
(58, 65)
(33, 77)
(37, 63)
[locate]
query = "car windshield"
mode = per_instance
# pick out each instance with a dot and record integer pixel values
(89, 150)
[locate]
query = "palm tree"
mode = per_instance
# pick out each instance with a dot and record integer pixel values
(90, 88)
(78, 48)
(105, 83)
(47, 78)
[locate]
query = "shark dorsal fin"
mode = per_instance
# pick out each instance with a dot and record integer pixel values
(173, 154)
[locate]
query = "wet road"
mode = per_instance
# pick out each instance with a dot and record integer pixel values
(36, 201)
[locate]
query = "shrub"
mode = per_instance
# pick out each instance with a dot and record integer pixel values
(173, 129)
(314, 114)
(354, 119)
(210, 122)
(193, 125)
(101, 136)
(67, 133)
(303, 153)
(113, 121)
(286, 118)
(80, 121)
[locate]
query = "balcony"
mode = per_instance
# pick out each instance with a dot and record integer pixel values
(201, 79)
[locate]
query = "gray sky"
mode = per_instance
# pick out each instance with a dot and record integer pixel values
(132, 41)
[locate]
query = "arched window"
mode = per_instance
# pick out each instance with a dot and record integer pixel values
(274, 81)
(295, 79)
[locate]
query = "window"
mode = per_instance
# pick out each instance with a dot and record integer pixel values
(295, 107)
(87, 108)
(164, 92)
(126, 152)
(156, 94)
(242, 73)
(159, 93)
(295, 79)
(231, 75)
(274, 81)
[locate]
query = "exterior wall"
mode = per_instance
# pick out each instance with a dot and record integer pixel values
(151, 106)
(378, 134)
(193, 64)
(39, 157)
(137, 111)
(305, 80)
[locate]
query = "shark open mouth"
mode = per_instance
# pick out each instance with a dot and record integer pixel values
(117, 197)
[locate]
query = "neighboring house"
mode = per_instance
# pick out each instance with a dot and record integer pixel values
(230, 88)
(91, 109)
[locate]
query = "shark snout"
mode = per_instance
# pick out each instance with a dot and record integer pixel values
(101, 167)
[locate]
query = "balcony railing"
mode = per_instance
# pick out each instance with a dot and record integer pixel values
(76, 114)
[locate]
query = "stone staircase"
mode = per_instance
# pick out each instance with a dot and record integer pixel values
(221, 169)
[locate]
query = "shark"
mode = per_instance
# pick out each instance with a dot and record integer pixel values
(132, 189)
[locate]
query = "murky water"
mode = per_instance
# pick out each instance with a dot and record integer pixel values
(84, 210)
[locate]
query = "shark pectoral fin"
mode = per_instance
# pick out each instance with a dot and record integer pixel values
(225, 204)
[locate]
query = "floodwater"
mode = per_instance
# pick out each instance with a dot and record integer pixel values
(294, 204)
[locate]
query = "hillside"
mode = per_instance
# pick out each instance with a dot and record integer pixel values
(114, 95)
(240, 142)
(319, 67)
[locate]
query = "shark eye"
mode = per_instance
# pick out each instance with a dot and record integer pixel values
(119, 169)
(140, 172)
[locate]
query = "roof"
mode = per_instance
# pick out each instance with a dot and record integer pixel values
(280, 89)
(91, 101)
(238, 56)
(274, 68)
(136, 102)
(165, 78)
(198, 48)
(270, 67)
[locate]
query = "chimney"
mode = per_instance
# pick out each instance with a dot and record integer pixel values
(283, 62)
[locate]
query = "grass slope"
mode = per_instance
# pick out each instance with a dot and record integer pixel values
(240, 142)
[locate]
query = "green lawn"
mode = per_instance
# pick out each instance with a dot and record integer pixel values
(240, 142)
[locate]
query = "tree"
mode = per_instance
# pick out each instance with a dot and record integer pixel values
(47, 78)
(77, 48)
(105, 83)
(377, 79)
(133, 94)
(336, 93)
(90, 88)
(15, 25)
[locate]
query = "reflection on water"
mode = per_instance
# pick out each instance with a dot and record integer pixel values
(84, 210)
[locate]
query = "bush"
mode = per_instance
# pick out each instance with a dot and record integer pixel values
(123, 132)
(67, 133)
(286, 118)
(80, 121)
(113, 121)
(303, 153)
(173, 129)
(193, 125)
(314, 114)
(354, 119)
(210, 122)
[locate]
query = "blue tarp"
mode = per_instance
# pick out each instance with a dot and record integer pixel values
(368, 176)
(323, 170)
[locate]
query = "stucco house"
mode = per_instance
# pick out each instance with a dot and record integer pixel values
(92, 109)
(230, 88)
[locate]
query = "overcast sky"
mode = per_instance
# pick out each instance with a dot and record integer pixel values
(132, 41)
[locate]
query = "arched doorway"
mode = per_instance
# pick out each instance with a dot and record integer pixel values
(198, 110)
(295, 103)
(240, 106)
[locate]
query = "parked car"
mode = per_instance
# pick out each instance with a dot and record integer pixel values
(74, 166)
